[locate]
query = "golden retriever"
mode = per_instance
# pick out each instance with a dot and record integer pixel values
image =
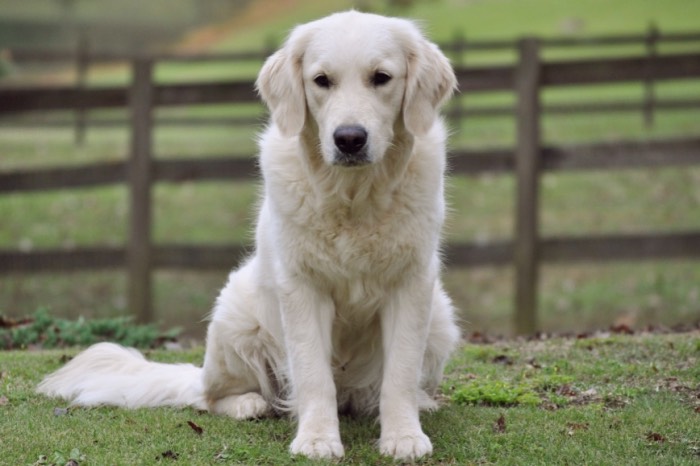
(341, 307)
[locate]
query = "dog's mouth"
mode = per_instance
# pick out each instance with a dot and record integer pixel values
(357, 159)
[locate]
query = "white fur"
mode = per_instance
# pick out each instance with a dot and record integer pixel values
(109, 374)
(341, 306)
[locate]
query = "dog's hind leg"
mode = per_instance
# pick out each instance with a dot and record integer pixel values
(240, 354)
(230, 386)
(250, 405)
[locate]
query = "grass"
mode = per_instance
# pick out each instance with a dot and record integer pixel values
(493, 19)
(606, 400)
(45, 331)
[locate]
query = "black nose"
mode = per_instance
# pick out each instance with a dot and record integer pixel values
(350, 139)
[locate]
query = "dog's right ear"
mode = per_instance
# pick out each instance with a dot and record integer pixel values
(281, 88)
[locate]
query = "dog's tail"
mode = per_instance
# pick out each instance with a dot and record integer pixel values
(109, 374)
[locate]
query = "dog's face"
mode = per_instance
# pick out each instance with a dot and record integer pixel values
(351, 78)
(354, 88)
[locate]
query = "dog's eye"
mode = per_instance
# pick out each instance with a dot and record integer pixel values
(322, 81)
(380, 78)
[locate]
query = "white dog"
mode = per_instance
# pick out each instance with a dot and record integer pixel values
(340, 307)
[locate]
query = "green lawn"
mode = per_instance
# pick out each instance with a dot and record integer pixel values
(604, 400)
(485, 20)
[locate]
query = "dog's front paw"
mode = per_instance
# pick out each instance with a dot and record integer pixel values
(317, 446)
(405, 445)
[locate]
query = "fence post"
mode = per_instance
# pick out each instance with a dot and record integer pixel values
(139, 252)
(527, 164)
(651, 41)
(456, 113)
(81, 68)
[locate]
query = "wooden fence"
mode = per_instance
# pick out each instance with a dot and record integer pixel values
(460, 49)
(527, 161)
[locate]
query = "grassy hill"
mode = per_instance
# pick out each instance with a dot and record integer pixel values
(479, 20)
(242, 24)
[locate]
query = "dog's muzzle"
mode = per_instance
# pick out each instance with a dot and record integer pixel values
(351, 146)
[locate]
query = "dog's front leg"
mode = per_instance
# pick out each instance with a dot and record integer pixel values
(308, 319)
(405, 323)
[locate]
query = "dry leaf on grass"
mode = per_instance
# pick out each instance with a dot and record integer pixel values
(499, 426)
(195, 427)
(655, 437)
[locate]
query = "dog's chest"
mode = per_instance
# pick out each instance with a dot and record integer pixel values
(380, 245)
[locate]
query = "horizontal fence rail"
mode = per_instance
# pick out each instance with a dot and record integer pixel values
(17, 99)
(471, 79)
(584, 72)
(620, 155)
(459, 44)
(591, 249)
(528, 162)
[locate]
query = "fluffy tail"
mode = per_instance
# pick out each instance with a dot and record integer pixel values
(109, 374)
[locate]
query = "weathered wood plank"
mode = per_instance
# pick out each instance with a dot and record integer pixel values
(614, 70)
(527, 168)
(492, 254)
(629, 247)
(140, 178)
(588, 249)
(619, 155)
(474, 162)
(491, 78)
(204, 93)
(200, 257)
(553, 251)
(471, 79)
(52, 260)
(24, 99)
(607, 156)
(40, 179)
(622, 155)
(206, 169)
(21, 55)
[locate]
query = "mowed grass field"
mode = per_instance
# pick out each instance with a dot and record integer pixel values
(573, 298)
(603, 400)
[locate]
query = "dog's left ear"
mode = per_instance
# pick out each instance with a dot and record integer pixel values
(430, 82)
(280, 85)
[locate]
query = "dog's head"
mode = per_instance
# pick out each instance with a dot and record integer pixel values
(351, 77)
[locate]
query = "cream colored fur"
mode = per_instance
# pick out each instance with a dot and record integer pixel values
(341, 305)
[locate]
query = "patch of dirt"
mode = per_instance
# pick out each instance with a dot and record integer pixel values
(252, 16)
(487, 339)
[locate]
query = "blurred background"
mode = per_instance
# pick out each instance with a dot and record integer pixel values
(59, 46)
